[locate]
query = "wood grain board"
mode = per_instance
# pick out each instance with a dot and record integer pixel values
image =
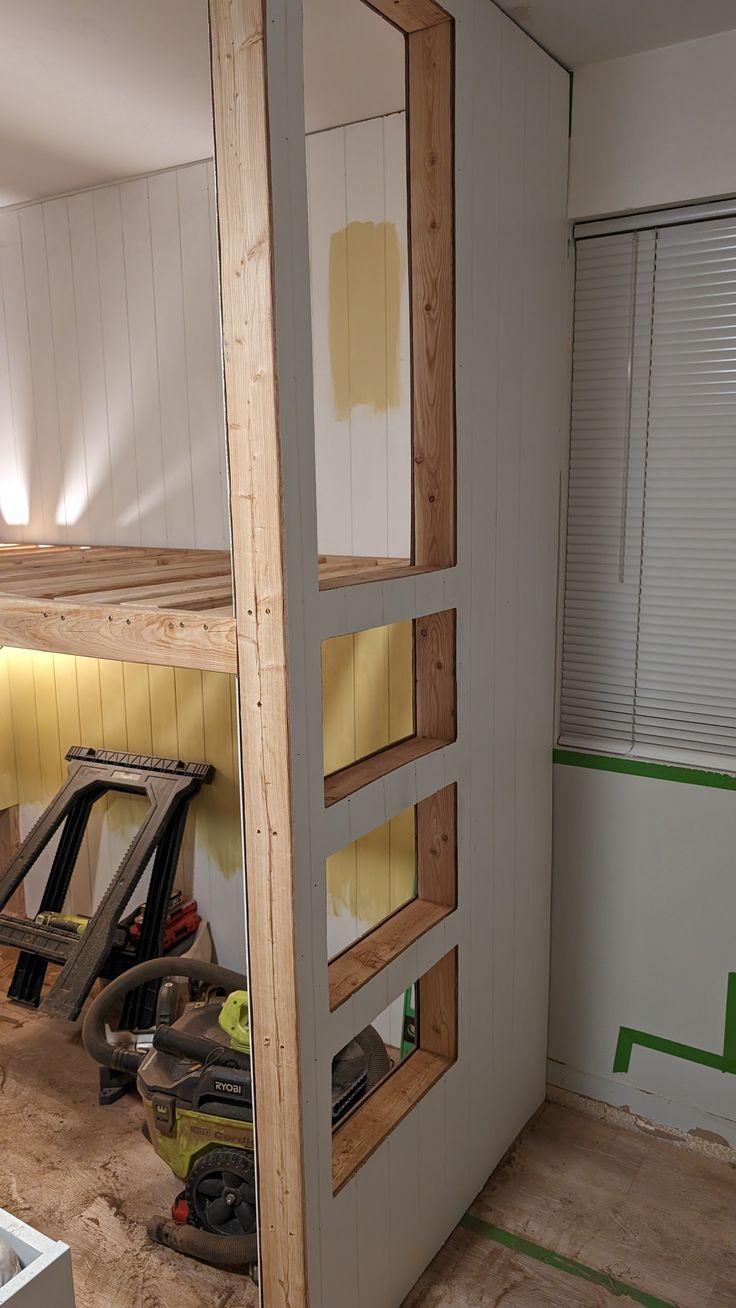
(242, 149)
(356, 1139)
(147, 605)
(432, 253)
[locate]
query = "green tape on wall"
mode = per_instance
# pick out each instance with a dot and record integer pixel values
(628, 1037)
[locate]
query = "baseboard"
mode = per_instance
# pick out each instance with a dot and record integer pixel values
(640, 1110)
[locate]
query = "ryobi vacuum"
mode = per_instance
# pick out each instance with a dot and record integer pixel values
(195, 1083)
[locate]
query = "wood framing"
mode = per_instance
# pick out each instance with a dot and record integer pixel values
(435, 710)
(432, 304)
(436, 897)
(377, 1116)
(429, 33)
(164, 606)
(242, 152)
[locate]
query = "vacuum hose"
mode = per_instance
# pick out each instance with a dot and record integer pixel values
(233, 1252)
(379, 1063)
(93, 1029)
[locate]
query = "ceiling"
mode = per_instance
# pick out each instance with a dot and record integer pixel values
(588, 31)
(95, 90)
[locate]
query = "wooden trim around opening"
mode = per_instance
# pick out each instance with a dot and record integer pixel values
(436, 858)
(361, 1134)
(244, 206)
(435, 711)
(429, 33)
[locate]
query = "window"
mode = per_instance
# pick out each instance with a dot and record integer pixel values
(649, 648)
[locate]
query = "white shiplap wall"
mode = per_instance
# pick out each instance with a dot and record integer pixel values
(111, 415)
(368, 1245)
(358, 174)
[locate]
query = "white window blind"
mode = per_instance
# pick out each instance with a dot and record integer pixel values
(649, 635)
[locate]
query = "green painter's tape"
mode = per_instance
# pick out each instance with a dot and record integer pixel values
(725, 1062)
(569, 1265)
(637, 767)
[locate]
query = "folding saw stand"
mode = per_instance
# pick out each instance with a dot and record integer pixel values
(169, 785)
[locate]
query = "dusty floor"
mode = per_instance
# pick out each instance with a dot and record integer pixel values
(85, 1174)
(654, 1218)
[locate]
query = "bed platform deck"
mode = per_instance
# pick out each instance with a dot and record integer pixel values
(143, 605)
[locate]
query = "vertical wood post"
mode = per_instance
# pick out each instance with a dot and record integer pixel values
(246, 271)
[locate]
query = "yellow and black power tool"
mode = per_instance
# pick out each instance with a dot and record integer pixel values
(195, 1083)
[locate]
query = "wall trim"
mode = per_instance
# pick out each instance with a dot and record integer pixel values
(642, 1110)
(639, 767)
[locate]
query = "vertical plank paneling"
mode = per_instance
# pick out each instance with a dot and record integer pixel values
(72, 492)
(327, 215)
(110, 366)
(360, 330)
(398, 417)
(19, 444)
(173, 377)
(98, 523)
(202, 352)
(153, 508)
(42, 368)
(367, 294)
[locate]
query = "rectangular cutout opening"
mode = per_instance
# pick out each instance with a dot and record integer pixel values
(388, 697)
(425, 1020)
(380, 182)
(388, 889)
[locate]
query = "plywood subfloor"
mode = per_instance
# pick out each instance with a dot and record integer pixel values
(649, 1214)
(85, 1174)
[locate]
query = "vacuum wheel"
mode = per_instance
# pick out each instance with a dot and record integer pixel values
(221, 1192)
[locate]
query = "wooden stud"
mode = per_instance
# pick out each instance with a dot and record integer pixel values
(434, 652)
(432, 256)
(436, 839)
(410, 15)
(437, 1008)
(245, 231)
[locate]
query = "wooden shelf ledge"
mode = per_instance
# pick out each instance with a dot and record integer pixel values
(338, 785)
(336, 570)
(360, 1135)
(351, 970)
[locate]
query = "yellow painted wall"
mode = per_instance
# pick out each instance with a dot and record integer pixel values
(368, 702)
(51, 701)
(367, 692)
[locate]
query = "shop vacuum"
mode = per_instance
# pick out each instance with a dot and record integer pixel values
(195, 1084)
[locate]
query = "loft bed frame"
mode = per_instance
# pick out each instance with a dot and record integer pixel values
(145, 605)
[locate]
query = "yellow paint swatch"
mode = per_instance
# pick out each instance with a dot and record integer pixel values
(365, 285)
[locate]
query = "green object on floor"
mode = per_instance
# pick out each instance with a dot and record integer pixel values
(569, 1265)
